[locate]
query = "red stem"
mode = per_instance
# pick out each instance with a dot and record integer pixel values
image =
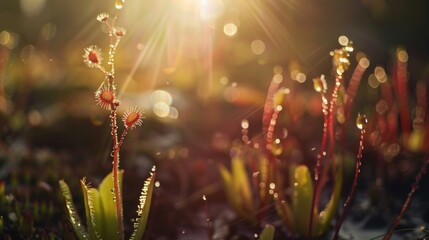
(401, 87)
(352, 90)
(351, 195)
(329, 127)
(321, 154)
(121, 141)
(269, 153)
(115, 168)
(407, 201)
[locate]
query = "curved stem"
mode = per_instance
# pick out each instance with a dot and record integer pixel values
(321, 155)
(407, 201)
(352, 192)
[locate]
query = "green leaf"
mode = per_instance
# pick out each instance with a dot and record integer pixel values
(143, 208)
(263, 177)
(94, 211)
(302, 185)
(241, 185)
(416, 140)
(110, 222)
(267, 233)
(327, 214)
(72, 214)
(285, 213)
(227, 182)
(231, 193)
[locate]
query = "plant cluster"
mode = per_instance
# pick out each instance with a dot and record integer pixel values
(256, 179)
(299, 209)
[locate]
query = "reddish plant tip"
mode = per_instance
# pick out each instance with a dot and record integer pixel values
(92, 56)
(320, 84)
(105, 97)
(361, 121)
(132, 118)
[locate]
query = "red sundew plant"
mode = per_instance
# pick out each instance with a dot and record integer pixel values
(361, 122)
(103, 206)
(300, 210)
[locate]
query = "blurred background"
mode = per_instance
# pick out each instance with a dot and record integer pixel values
(180, 58)
(196, 67)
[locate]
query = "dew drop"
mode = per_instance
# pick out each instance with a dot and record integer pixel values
(277, 147)
(244, 124)
(119, 4)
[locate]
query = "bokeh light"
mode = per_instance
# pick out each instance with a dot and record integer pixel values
(230, 29)
(32, 8)
(257, 47)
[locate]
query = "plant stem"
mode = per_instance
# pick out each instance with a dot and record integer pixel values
(401, 80)
(407, 201)
(328, 127)
(115, 168)
(321, 154)
(352, 192)
(117, 190)
(352, 90)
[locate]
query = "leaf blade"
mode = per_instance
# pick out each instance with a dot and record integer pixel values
(72, 214)
(110, 223)
(144, 208)
(267, 233)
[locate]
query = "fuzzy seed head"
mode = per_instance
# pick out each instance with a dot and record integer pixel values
(92, 56)
(104, 98)
(132, 118)
(102, 17)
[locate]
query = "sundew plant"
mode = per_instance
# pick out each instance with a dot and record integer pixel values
(103, 206)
